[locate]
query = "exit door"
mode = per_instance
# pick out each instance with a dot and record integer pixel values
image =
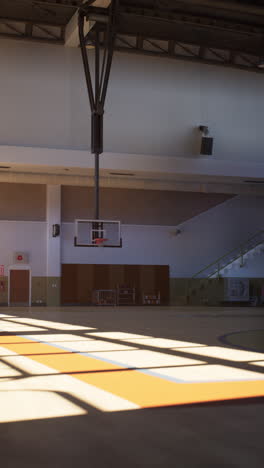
(19, 289)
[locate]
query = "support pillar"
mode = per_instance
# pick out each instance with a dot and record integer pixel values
(53, 216)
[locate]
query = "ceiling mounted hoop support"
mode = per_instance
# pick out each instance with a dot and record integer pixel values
(97, 88)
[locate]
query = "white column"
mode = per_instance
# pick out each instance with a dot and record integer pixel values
(53, 205)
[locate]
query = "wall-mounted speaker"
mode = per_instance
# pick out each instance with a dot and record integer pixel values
(207, 145)
(55, 230)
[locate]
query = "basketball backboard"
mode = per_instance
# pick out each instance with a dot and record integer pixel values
(97, 233)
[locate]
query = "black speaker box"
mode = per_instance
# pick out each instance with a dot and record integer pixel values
(207, 145)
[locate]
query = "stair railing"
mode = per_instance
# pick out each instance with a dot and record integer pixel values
(218, 265)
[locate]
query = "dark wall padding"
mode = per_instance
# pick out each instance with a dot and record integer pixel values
(156, 207)
(79, 280)
(22, 202)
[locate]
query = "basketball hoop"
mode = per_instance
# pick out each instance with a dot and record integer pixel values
(100, 241)
(97, 233)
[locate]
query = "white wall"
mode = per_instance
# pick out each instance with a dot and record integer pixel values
(153, 105)
(204, 238)
(24, 236)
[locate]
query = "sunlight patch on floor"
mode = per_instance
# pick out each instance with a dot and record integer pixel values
(67, 373)
(34, 396)
(118, 335)
(144, 359)
(257, 363)
(7, 371)
(208, 373)
(8, 326)
(29, 405)
(93, 345)
(7, 316)
(27, 365)
(219, 352)
(164, 343)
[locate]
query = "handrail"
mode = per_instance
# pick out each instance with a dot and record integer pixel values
(240, 246)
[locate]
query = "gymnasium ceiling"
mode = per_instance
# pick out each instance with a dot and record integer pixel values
(223, 32)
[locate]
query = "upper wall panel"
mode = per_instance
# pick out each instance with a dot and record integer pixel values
(137, 206)
(22, 202)
(153, 106)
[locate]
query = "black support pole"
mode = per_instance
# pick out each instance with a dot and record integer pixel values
(97, 93)
(96, 186)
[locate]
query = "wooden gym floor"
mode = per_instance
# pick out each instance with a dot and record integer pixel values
(134, 387)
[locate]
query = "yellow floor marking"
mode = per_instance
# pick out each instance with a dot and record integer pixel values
(142, 389)
(148, 391)
(60, 359)
(63, 337)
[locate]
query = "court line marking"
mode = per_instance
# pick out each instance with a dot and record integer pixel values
(140, 388)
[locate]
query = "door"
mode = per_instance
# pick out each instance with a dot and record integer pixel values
(19, 287)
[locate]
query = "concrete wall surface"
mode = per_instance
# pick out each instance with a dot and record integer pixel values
(153, 106)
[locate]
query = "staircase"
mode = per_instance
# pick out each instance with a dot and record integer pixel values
(237, 256)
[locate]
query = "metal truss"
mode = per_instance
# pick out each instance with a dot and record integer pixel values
(231, 39)
(36, 20)
(188, 52)
(32, 31)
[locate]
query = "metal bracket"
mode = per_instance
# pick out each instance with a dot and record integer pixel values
(204, 129)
